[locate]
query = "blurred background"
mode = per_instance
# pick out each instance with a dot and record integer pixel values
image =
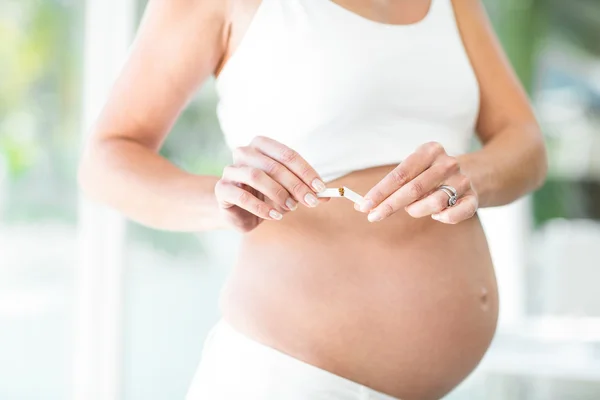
(93, 307)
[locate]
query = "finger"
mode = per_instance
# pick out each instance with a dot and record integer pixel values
(291, 160)
(260, 181)
(464, 209)
(409, 169)
(230, 195)
(437, 201)
(298, 189)
(415, 190)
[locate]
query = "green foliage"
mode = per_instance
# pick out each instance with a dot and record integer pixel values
(19, 149)
(579, 20)
(40, 81)
(33, 49)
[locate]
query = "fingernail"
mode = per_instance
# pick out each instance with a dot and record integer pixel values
(291, 204)
(375, 216)
(311, 200)
(275, 215)
(435, 216)
(367, 206)
(318, 185)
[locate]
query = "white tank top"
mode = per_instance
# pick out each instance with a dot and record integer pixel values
(345, 92)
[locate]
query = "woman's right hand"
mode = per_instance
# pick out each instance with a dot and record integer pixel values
(266, 180)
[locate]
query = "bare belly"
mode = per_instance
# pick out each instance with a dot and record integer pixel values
(407, 307)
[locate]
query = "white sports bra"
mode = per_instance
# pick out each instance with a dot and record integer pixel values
(345, 92)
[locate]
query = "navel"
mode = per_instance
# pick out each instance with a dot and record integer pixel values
(483, 299)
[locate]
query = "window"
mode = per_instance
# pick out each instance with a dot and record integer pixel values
(40, 90)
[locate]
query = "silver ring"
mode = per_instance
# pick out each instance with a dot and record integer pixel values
(452, 194)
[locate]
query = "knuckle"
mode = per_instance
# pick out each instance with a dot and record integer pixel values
(298, 189)
(229, 172)
(416, 189)
(465, 183)
(288, 155)
(274, 168)
(221, 183)
(261, 209)
(465, 179)
(219, 186)
(257, 140)
(377, 195)
(450, 164)
(386, 209)
(440, 171)
(254, 174)
(306, 172)
(243, 198)
(226, 170)
(434, 148)
(399, 176)
(239, 152)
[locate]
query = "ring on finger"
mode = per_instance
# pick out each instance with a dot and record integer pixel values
(452, 194)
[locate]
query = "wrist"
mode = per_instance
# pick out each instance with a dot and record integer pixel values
(203, 210)
(470, 166)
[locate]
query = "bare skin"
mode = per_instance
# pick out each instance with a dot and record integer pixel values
(407, 305)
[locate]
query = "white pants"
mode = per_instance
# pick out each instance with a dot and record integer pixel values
(234, 366)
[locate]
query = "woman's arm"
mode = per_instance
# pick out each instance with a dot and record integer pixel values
(512, 161)
(179, 45)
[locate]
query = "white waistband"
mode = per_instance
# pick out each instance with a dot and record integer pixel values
(234, 366)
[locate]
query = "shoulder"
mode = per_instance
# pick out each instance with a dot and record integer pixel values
(201, 14)
(503, 98)
(201, 27)
(195, 7)
(470, 12)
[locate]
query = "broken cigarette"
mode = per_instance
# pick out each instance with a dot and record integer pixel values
(342, 192)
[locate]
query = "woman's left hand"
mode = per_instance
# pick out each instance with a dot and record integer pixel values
(414, 186)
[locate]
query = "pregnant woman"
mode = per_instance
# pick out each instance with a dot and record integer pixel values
(392, 299)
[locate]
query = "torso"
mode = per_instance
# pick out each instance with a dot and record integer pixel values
(345, 92)
(407, 307)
